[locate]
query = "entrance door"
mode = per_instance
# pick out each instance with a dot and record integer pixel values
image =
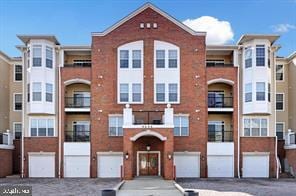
(148, 164)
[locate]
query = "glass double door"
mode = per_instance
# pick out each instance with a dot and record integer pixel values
(148, 164)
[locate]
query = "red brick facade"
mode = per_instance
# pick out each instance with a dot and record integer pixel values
(291, 157)
(104, 90)
(259, 144)
(6, 160)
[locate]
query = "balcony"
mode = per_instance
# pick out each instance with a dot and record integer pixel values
(148, 119)
(219, 64)
(77, 104)
(220, 104)
(78, 65)
(77, 136)
(220, 136)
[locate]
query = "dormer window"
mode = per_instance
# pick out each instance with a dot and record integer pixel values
(260, 55)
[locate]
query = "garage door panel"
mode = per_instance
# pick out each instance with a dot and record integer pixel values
(220, 166)
(256, 166)
(41, 166)
(187, 166)
(77, 166)
(109, 166)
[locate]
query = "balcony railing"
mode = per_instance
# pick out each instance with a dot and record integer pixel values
(78, 65)
(77, 136)
(220, 102)
(291, 138)
(220, 136)
(148, 117)
(77, 102)
(213, 64)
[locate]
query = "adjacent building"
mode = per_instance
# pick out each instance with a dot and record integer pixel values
(149, 97)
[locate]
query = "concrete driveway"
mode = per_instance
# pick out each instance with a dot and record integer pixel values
(240, 187)
(63, 187)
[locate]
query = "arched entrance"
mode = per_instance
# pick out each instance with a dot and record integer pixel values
(150, 153)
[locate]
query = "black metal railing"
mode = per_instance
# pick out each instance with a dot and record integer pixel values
(77, 136)
(220, 102)
(78, 65)
(218, 64)
(77, 102)
(148, 117)
(220, 136)
(280, 135)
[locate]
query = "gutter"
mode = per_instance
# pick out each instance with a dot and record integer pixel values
(238, 121)
(23, 118)
(59, 116)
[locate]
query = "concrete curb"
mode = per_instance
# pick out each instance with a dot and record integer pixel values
(119, 185)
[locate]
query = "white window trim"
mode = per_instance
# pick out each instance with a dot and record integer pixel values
(244, 94)
(183, 115)
(14, 80)
(283, 102)
(265, 91)
(32, 92)
(52, 50)
(280, 122)
(250, 118)
(13, 126)
(14, 102)
(130, 93)
(265, 54)
(166, 93)
(115, 115)
(42, 118)
(283, 80)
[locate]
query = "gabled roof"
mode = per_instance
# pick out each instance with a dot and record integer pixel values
(27, 38)
(141, 9)
(247, 37)
(9, 59)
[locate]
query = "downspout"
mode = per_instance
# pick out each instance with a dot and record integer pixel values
(238, 121)
(276, 141)
(60, 117)
(23, 116)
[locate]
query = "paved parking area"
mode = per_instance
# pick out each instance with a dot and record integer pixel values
(64, 187)
(241, 187)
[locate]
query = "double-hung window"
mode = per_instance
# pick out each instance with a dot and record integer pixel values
(49, 57)
(18, 102)
(279, 72)
(255, 127)
(17, 128)
(181, 125)
(248, 92)
(280, 130)
(280, 101)
(260, 55)
(173, 92)
(18, 73)
(268, 93)
(160, 92)
(160, 58)
(36, 91)
(49, 92)
(248, 57)
(42, 127)
(28, 92)
(260, 91)
(136, 92)
(124, 95)
(124, 56)
(173, 58)
(115, 125)
(136, 58)
(37, 53)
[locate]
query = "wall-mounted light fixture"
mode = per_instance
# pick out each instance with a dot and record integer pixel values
(126, 156)
(169, 156)
(148, 147)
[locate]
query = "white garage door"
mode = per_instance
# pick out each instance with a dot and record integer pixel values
(41, 165)
(76, 166)
(256, 166)
(187, 165)
(220, 166)
(109, 166)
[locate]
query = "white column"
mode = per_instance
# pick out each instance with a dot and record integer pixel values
(169, 115)
(127, 115)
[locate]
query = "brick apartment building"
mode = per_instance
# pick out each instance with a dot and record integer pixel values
(149, 97)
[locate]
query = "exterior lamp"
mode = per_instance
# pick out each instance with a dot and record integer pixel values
(148, 147)
(126, 156)
(169, 156)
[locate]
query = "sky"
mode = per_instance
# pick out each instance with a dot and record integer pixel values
(72, 21)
